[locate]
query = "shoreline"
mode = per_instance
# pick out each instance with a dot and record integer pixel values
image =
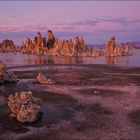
(87, 99)
(84, 66)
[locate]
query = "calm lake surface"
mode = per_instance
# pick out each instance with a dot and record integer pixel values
(24, 59)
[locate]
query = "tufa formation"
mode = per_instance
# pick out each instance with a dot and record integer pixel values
(51, 46)
(24, 107)
(42, 79)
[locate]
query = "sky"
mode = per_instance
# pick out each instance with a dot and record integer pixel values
(96, 21)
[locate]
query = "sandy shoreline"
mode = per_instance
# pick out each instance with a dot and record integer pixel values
(87, 102)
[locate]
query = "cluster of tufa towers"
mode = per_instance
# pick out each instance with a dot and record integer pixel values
(61, 47)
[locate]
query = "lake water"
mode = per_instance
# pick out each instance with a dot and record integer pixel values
(24, 59)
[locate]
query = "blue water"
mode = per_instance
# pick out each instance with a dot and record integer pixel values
(24, 59)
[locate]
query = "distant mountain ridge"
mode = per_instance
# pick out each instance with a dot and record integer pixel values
(136, 44)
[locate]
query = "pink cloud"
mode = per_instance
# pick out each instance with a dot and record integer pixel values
(82, 26)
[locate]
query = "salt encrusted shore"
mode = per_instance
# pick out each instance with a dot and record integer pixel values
(87, 101)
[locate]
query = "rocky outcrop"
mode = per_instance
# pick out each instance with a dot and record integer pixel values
(24, 107)
(7, 46)
(6, 76)
(50, 40)
(42, 79)
(51, 46)
(57, 47)
(113, 49)
(36, 46)
(127, 49)
(72, 47)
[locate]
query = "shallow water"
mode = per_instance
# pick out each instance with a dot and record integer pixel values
(24, 59)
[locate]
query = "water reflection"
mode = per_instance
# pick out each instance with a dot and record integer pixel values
(118, 61)
(23, 59)
(112, 60)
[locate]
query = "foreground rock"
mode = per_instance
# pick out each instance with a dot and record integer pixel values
(6, 76)
(42, 79)
(24, 107)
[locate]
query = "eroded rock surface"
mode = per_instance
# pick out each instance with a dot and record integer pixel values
(52, 46)
(113, 49)
(42, 79)
(7, 46)
(24, 106)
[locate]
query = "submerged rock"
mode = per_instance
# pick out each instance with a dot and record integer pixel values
(6, 76)
(42, 79)
(24, 107)
(10, 77)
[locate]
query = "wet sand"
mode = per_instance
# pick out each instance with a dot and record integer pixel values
(88, 102)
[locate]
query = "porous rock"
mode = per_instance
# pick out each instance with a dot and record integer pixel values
(24, 106)
(42, 79)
